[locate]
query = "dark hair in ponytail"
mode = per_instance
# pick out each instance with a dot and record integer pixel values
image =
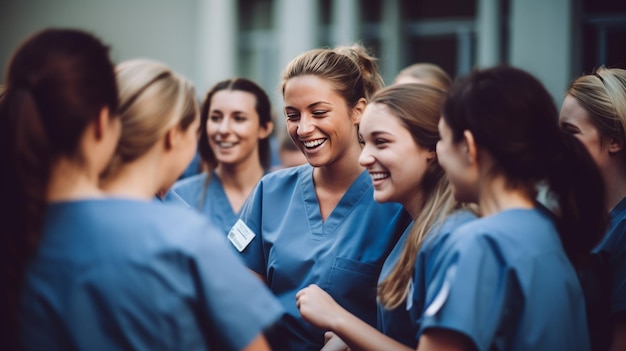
(57, 83)
(513, 116)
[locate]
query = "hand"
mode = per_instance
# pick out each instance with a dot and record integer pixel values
(317, 307)
(332, 342)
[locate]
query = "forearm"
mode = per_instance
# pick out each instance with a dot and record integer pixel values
(361, 336)
(619, 337)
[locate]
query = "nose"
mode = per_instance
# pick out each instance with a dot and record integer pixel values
(224, 126)
(306, 125)
(366, 158)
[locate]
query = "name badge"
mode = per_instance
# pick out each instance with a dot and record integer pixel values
(240, 235)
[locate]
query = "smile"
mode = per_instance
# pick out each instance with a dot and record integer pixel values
(313, 143)
(379, 175)
(225, 145)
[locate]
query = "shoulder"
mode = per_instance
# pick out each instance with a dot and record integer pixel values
(455, 220)
(160, 223)
(287, 178)
(193, 182)
(286, 174)
(441, 231)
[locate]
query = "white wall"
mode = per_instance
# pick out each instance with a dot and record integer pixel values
(163, 30)
(541, 41)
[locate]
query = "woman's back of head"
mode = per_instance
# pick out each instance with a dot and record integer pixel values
(153, 99)
(57, 84)
(424, 73)
(513, 117)
(352, 71)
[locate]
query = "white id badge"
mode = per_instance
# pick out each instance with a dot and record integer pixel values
(240, 235)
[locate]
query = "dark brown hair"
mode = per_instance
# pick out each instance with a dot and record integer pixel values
(58, 81)
(513, 117)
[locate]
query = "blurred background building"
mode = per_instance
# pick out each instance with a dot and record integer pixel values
(209, 40)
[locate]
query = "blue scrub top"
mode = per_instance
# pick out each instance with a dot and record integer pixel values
(294, 248)
(211, 201)
(612, 252)
(505, 282)
(604, 283)
(402, 322)
(113, 274)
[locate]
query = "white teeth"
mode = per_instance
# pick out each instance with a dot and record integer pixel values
(379, 175)
(313, 143)
(225, 145)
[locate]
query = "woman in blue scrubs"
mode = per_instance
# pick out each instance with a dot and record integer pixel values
(318, 223)
(235, 125)
(507, 281)
(124, 272)
(399, 127)
(594, 111)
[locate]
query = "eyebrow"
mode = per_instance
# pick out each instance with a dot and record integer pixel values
(238, 112)
(378, 133)
(310, 105)
(569, 125)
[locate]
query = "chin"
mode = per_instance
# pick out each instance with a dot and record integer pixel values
(381, 198)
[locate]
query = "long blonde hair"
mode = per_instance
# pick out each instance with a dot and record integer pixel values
(153, 99)
(418, 107)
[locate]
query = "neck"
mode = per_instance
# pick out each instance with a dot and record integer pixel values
(139, 179)
(495, 197)
(414, 208)
(614, 184)
(339, 175)
(240, 177)
(70, 181)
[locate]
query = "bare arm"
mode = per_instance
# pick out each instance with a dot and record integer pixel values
(262, 278)
(619, 337)
(319, 309)
(258, 344)
(437, 339)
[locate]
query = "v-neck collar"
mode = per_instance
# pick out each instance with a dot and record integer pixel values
(319, 227)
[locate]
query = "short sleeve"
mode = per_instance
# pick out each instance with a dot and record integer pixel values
(251, 216)
(239, 304)
(469, 290)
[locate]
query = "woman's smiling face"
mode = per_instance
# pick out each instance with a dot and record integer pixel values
(395, 161)
(319, 120)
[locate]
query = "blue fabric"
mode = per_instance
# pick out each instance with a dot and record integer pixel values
(402, 322)
(604, 282)
(212, 202)
(172, 198)
(123, 274)
(294, 248)
(612, 253)
(505, 282)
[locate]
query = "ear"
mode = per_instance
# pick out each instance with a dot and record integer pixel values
(471, 151)
(432, 155)
(171, 138)
(102, 122)
(266, 130)
(357, 110)
(615, 146)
